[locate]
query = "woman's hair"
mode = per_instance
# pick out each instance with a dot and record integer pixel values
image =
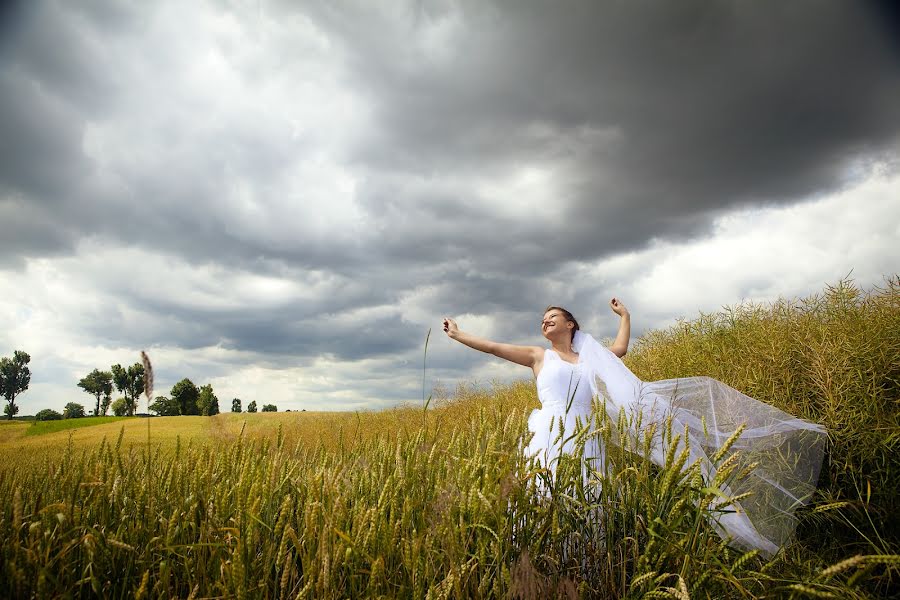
(567, 315)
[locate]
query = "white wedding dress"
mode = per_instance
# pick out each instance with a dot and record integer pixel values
(788, 450)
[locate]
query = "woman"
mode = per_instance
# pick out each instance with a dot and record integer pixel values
(576, 369)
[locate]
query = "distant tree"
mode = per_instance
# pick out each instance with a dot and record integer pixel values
(185, 393)
(73, 410)
(252, 406)
(207, 402)
(107, 400)
(236, 405)
(269, 408)
(120, 407)
(47, 414)
(14, 379)
(130, 382)
(97, 383)
(165, 407)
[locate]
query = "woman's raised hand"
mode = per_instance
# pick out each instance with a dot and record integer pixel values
(450, 327)
(617, 307)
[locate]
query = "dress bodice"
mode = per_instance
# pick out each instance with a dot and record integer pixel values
(559, 380)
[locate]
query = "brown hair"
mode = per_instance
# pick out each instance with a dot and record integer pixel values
(567, 315)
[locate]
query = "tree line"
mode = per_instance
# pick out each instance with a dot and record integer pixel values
(185, 398)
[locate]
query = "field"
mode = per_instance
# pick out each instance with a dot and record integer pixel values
(440, 503)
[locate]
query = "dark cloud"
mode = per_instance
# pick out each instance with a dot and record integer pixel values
(709, 106)
(429, 158)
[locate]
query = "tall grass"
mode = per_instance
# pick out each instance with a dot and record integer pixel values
(833, 358)
(394, 504)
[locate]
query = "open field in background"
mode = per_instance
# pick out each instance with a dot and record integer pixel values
(407, 503)
(46, 427)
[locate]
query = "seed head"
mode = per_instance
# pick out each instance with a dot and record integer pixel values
(148, 375)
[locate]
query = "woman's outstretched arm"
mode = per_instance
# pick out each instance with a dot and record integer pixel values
(620, 346)
(527, 356)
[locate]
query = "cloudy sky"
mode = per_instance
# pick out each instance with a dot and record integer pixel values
(282, 197)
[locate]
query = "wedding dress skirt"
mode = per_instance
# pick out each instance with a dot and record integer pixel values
(788, 450)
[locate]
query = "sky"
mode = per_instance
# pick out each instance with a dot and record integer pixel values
(281, 198)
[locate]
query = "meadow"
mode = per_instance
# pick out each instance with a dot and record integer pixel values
(440, 503)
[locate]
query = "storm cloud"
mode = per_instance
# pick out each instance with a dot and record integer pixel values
(303, 189)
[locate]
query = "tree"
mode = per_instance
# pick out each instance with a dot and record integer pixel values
(252, 406)
(185, 393)
(120, 407)
(97, 383)
(73, 411)
(236, 405)
(269, 408)
(130, 382)
(107, 400)
(47, 414)
(207, 403)
(14, 379)
(165, 407)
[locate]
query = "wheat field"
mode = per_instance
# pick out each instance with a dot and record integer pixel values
(440, 503)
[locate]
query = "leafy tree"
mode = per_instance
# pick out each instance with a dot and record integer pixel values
(14, 379)
(10, 410)
(97, 383)
(207, 402)
(120, 407)
(130, 382)
(107, 400)
(252, 406)
(185, 393)
(73, 410)
(269, 408)
(236, 405)
(165, 407)
(47, 414)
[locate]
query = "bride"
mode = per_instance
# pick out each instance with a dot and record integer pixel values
(576, 368)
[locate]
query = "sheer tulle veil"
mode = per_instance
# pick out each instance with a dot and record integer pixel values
(788, 451)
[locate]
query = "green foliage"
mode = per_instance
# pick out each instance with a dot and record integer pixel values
(207, 402)
(130, 382)
(99, 384)
(14, 379)
(251, 408)
(186, 394)
(269, 408)
(47, 414)
(73, 411)
(236, 405)
(120, 407)
(165, 407)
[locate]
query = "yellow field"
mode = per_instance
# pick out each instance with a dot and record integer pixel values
(440, 504)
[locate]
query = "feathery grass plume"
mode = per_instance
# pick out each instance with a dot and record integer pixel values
(148, 376)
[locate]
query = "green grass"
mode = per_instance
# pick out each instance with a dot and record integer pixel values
(45, 427)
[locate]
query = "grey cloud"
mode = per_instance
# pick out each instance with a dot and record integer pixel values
(717, 105)
(653, 120)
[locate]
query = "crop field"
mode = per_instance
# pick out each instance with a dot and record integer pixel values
(440, 503)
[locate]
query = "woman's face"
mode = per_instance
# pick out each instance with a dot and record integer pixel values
(554, 325)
